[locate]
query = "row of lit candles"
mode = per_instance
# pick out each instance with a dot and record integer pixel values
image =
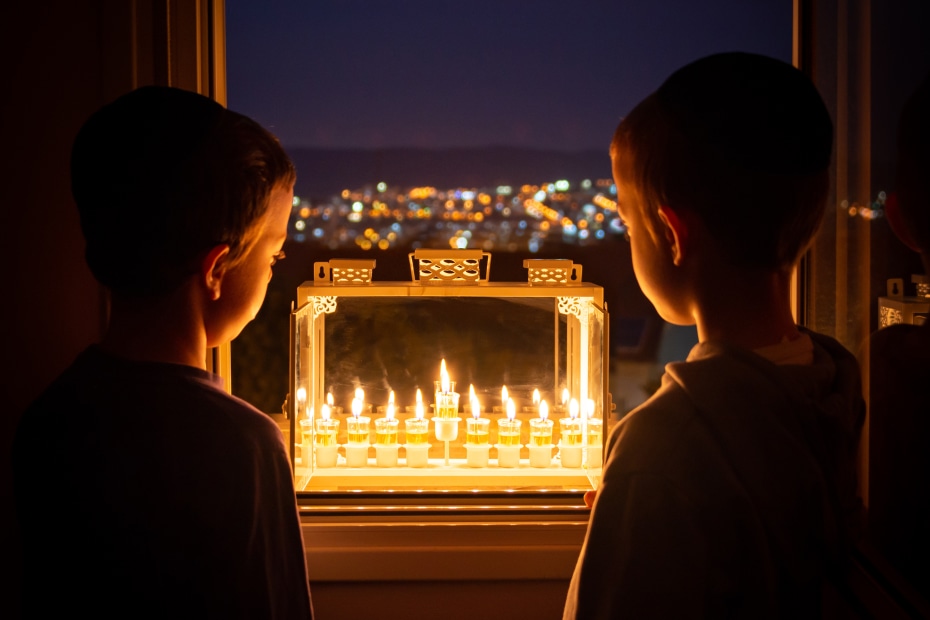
(477, 428)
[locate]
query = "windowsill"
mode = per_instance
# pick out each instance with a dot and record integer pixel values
(441, 550)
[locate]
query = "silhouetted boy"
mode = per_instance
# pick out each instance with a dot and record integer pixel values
(143, 489)
(728, 493)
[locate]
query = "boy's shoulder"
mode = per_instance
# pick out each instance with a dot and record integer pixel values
(722, 394)
(102, 393)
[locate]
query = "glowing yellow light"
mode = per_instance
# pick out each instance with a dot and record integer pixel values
(443, 377)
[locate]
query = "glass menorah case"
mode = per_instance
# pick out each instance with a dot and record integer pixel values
(449, 382)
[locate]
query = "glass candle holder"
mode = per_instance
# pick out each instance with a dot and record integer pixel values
(477, 430)
(417, 430)
(326, 432)
(540, 432)
(595, 432)
(508, 432)
(447, 403)
(357, 429)
(306, 430)
(570, 430)
(386, 431)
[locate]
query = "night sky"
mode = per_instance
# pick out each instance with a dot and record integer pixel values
(555, 74)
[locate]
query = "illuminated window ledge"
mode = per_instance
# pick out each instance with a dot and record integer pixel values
(449, 542)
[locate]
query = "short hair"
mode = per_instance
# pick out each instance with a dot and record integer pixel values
(913, 164)
(741, 140)
(160, 176)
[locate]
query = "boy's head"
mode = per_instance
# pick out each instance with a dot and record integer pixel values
(162, 175)
(742, 142)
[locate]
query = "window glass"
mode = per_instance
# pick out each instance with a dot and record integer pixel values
(470, 125)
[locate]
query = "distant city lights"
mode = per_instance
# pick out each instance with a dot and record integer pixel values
(381, 217)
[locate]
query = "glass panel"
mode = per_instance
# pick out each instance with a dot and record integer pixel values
(408, 386)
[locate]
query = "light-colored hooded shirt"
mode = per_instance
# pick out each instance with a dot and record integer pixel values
(731, 493)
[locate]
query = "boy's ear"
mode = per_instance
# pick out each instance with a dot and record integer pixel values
(213, 268)
(676, 232)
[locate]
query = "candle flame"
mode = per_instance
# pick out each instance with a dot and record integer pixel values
(301, 395)
(511, 409)
(504, 396)
(419, 406)
(589, 408)
(471, 392)
(475, 406)
(329, 399)
(390, 406)
(356, 407)
(565, 396)
(573, 408)
(536, 396)
(543, 410)
(325, 412)
(360, 394)
(443, 377)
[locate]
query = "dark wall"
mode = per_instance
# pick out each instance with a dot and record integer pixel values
(51, 307)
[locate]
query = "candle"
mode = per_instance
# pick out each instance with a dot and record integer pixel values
(540, 445)
(508, 437)
(508, 429)
(595, 436)
(417, 427)
(570, 444)
(303, 416)
(357, 425)
(326, 428)
(417, 446)
(386, 436)
(541, 427)
(447, 400)
(386, 427)
(570, 426)
(447, 410)
(332, 407)
(325, 439)
(476, 427)
(595, 426)
(477, 447)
